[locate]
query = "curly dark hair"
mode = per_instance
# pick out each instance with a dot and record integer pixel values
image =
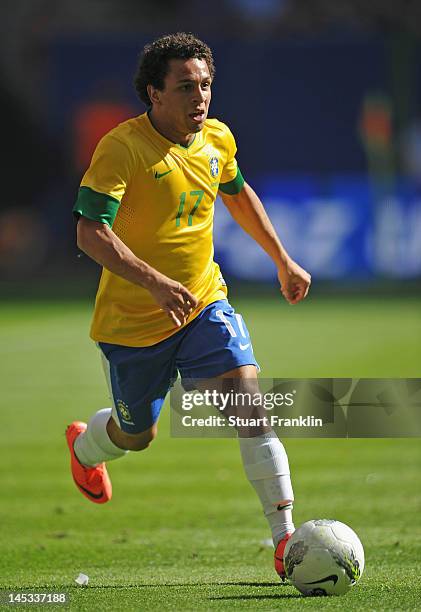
(154, 59)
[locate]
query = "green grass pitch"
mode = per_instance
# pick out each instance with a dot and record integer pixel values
(184, 530)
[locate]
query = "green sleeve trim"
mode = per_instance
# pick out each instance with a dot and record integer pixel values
(233, 187)
(96, 206)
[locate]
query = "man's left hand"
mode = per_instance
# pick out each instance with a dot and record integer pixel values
(295, 282)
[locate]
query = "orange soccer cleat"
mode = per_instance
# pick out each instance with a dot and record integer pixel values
(93, 482)
(279, 556)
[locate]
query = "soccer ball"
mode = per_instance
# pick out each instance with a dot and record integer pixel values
(324, 557)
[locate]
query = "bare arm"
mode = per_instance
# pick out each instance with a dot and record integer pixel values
(101, 244)
(248, 211)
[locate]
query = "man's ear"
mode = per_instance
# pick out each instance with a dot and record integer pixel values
(154, 94)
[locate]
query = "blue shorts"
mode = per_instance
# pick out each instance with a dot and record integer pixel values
(216, 341)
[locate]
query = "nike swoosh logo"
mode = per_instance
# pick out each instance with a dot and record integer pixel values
(159, 175)
(243, 347)
(93, 495)
(333, 577)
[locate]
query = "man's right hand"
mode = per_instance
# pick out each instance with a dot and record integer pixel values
(100, 242)
(174, 299)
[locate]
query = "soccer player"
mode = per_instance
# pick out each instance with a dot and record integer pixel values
(145, 213)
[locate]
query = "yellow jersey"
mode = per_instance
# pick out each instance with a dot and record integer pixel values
(158, 197)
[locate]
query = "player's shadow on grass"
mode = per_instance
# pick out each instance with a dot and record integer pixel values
(178, 584)
(153, 586)
(279, 595)
(268, 596)
(254, 584)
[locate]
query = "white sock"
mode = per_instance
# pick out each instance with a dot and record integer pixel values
(94, 446)
(266, 465)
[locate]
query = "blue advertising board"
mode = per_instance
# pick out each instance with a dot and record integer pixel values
(336, 227)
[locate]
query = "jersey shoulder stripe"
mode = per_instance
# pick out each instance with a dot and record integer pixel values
(96, 206)
(233, 187)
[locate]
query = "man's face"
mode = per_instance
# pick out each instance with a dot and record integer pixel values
(184, 101)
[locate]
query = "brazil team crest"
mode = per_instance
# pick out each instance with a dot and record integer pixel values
(214, 166)
(124, 411)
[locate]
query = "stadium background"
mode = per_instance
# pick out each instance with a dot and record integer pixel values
(324, 98)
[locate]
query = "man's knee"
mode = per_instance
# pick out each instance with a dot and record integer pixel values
(141, 441)
(132, 442)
